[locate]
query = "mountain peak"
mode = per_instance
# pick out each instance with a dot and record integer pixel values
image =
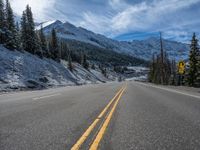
(142, 49)
(48, 23)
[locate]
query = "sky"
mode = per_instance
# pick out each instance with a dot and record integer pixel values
(122, 19)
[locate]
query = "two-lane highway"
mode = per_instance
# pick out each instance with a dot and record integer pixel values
(105, 116)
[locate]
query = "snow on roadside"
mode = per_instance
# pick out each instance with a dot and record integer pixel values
(138, 73)
(138, 68)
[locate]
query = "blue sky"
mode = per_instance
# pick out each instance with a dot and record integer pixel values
(122, 19)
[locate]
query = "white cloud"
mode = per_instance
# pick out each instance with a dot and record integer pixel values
(145, 16)
(97, 23)
(40, 8)
(118, 4)
(132, 16)
(117, 17)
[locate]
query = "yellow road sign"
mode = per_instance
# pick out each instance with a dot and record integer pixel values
(181, 67)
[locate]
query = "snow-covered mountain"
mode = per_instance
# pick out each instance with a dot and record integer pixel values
(141, 49)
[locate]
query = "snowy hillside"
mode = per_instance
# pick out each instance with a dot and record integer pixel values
(151, 46)
(21, 70)
(141, 49)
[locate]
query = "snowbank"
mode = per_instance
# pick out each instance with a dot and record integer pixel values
(137, 73)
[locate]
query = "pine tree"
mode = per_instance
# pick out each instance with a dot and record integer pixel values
(43, 43)
(167, 69)
(93, 66)
(32, 37)
(104, 71)
(24, 35)
(29, 38)
(173, 77)
(54, 47)
(18, 42)
(192, 74)
(82, 58)
(152, 70)
(160, 67)
(38, 50)
(62, 50)
(70, 66)
(49, 49)
(161, 60)
(85, 62)
(11, 32)
(2, 23)
(197, 80)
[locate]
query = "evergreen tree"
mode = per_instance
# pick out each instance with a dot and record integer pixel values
(29, 38)
(118, 69)
(24, 34)
(167, 69)
(173, 77)
(18, 42)
(49, 48)
(38, 50)
(62, 50)
(197, 80)
(54, 47)
(93, 66)
(2, 23)
(76, 57)
(32, 37)
(161, 60)
(192, 73)
(82, 58)
(152, 70)
(11, 32)
(43, 43)
(70, 66)
(85, 63)
(104, 71)
(160, 68)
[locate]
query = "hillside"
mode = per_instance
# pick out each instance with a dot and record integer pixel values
(21, 70)
(137, 49)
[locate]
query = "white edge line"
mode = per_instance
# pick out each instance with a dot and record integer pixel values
(174, 91)
(47, 96)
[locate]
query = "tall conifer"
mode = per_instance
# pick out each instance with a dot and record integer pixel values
(192, 73)
(2, 23)
(11, 32)
(43, 42)
(54, 47)
(29, 37)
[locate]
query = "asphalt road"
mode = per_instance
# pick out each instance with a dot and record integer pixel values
(112, 116)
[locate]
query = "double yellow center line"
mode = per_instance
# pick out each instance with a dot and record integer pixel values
(102, 130)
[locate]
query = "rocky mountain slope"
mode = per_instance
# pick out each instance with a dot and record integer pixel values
(140, 49)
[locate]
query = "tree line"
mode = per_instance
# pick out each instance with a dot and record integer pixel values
(165, 71)
(23, 36)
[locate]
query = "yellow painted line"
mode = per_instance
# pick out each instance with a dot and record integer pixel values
(101, 133)
(82, 139)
